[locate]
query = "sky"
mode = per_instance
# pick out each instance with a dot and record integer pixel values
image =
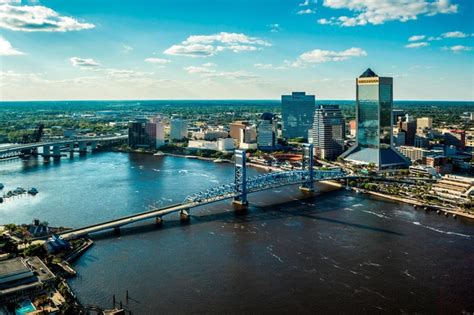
(223, 49)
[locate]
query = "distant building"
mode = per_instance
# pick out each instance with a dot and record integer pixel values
(424, 123)
(225, 144)
(146, 134)
(456, 138)
(417, 154)
(409, 126)
(374, 124)
(352, 128)
(297, 114)
(455, 189)
(328, 132)
(421, 141)
(235, 128)
(440, 163)
(399, 137)
(266, 132)
(178, 129)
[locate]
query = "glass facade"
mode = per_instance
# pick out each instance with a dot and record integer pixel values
(297, 114)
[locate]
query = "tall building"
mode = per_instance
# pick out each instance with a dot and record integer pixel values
(297, 114)
(424, 123)
(146, 134)
(328, 132)
(374, 121)
(409, 126)
(266, 132)
(178, 129)
(235, 128)
(455, 138)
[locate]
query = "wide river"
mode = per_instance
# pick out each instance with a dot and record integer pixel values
(335, 252)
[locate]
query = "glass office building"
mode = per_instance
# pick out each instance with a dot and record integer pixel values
(374, 121)
(297, 114)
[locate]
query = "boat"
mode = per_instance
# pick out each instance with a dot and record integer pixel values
(159, 153)
(33, 191)
(219, 161)
(191, 157)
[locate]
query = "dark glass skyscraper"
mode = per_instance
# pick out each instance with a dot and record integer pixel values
(297, 114)
(374, 123)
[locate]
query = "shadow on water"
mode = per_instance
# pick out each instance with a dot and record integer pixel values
(254, 214)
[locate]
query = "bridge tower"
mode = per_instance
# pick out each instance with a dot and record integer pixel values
(307, 165)
(240, 178)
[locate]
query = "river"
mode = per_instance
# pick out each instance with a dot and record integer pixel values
(334, 252)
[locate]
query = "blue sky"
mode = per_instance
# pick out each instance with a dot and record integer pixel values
(246, 49)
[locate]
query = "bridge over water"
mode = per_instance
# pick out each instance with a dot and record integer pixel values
(237, 191)
(54, 148)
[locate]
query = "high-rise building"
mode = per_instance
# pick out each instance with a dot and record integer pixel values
(266, 132)
(399, 137)
(424, 123)
(178, 129)
(328, 132)
(297, 114)
(456, 138)
(409, 126)
(235, 128)
(146, 134)
(374, 124)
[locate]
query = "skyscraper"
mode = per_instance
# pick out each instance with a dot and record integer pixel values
(297, 114)
(374, 121)
(266, 132)
(178, 129)
(328, 132)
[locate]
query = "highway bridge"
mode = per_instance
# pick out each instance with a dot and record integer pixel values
(53, 148)
(238, 191)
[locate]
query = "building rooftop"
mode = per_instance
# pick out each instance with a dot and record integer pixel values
(368, 74)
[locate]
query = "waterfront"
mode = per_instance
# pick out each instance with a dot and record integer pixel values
(335, 252)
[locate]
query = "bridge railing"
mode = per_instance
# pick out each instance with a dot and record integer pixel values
(261, 182)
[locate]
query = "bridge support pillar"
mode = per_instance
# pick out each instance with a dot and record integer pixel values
(56, 151)
(184, 215)
(82, 147)
(307, 165)
(46, 152)
(93, 145)
(240, 179)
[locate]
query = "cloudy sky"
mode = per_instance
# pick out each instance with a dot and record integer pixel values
(223, 49)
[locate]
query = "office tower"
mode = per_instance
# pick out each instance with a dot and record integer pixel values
(328, 132)
(456, 138)
(178, 129)
(248, 138)
(136, 133)
(409, 126)
(424, 123)
(266, 132)
(235, 128)
(297, 114)
(399, 137)
(374, 121)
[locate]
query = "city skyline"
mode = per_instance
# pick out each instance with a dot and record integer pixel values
(52, 50)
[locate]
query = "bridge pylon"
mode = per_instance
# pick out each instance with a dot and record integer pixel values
(307, 165)
(240, 179)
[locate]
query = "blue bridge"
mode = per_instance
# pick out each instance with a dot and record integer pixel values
(237, 191)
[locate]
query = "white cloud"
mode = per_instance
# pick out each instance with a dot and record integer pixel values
(457, 48)
(83, 63)
(158, 60)
(320, 56)
(304, 4)
(209, 45)
(417, 45)
(380, 11)
(274, 28)
(415, 38)
(455, 34)
(126, 48)
(37, 19)
(268, 66)
(433, 38)
(6, 48)
(306, 11)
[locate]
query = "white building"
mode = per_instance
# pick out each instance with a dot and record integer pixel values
(225, 144)
(178, 129)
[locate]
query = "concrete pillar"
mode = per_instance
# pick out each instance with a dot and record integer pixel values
(82, 147)
(56, 151)
(94, 145)
(46, 152)
(184, 215)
